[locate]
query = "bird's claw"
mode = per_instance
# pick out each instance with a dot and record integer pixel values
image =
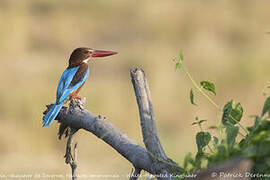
(78, 102)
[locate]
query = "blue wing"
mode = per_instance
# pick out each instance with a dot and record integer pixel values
(64, 86)
(51, 114)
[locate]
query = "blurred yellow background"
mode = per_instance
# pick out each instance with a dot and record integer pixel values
(223, 41)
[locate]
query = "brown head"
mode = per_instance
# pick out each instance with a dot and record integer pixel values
(82, 55)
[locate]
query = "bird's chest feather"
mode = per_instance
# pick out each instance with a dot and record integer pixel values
(79, 76)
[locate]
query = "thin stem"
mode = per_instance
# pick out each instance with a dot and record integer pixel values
(246, 131)
(210, 148)
(241, 134)
(200, 89)
(208, 98)
(200, 126)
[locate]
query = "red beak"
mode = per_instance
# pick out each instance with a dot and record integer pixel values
(100, 53)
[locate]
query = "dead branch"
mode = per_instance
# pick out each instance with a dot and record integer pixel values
(152, 159)
(149, 131)
(71, 157)
(148, 125)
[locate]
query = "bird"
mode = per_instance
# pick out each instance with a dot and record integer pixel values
(72, 79)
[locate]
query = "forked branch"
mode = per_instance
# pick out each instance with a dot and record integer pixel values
(152, 159)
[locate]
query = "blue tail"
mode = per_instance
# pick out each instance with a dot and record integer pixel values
(51, 114)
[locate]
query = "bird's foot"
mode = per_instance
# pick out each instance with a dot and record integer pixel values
(77, 102)
(77, 97)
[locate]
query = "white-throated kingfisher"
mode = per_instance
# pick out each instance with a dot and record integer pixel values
(72, 79)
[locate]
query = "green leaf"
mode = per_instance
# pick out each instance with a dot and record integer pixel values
(232, 113)
(259, 136)
(178, 66)
(202, 140)
(249, 152)
(222, 152)
(208, 86)
(191, 97)
(188, 160)
(179, 61)
(268, 161)
(226, 112)
(196, 121)
(255, 126)
(252, 130)
(181, 57)
(199, 122)
(213, 127)
(215, 141)
(237, 112)
(231, 132)
(266, 106)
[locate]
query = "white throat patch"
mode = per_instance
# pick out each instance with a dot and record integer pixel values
(86, 60)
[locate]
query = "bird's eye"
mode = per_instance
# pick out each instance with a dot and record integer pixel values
(85, 52)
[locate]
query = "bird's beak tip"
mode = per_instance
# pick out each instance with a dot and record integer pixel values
(101, 53)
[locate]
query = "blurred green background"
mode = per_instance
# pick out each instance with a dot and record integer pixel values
(223, 41)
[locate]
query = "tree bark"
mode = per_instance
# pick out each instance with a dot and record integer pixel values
(152, 159)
